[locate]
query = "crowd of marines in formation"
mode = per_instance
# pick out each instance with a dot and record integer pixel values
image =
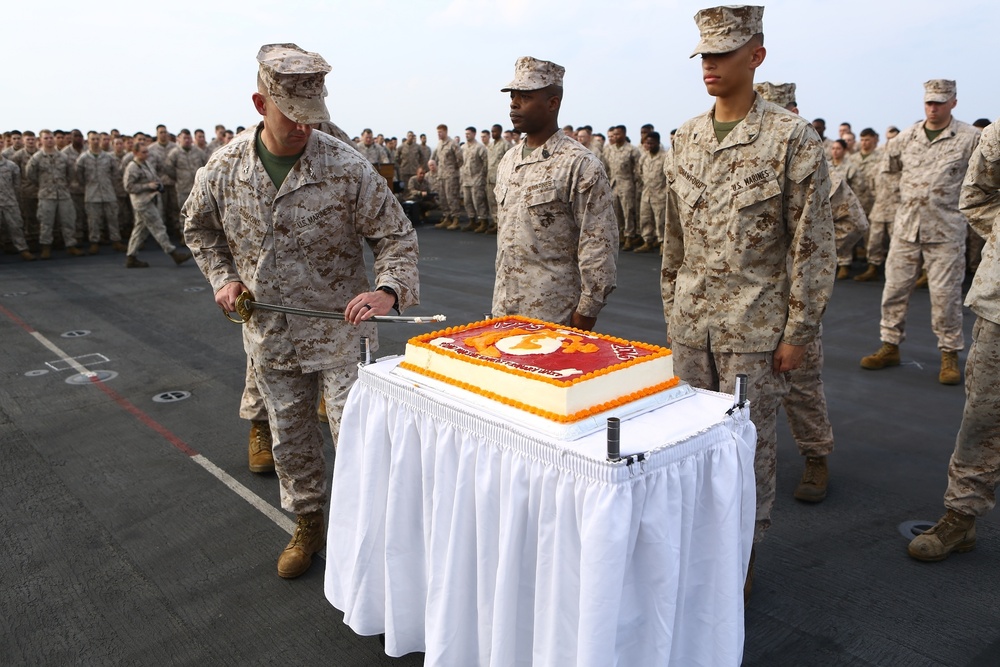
(754, 211)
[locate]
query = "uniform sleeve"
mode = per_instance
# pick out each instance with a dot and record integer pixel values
(31, 172)
(392, 239)
(133, 180)
(673, 241)
(204, 235)
(812, 252)
(597, 251)
(980, 199)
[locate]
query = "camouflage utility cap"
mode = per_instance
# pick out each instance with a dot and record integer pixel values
(533, 74)
(939, 90)
(294, 80)
(727, 28)
(782, 94)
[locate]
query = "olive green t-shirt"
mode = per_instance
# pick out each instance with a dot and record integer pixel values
(933, 134)
(276, 166)
(722, 130)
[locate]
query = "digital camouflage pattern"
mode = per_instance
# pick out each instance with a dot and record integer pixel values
(867, 167)
(929, 230)
(557, 240)
(50, 173)
(749, 255)
(300, 246)
(533, 74)
(939, 90)
(848, 171)
(408, 158)
(158, 159)
(849, 221)
(622, 165)
(980, 202)
(145, 207)
(475, 165)
(374, 153)
(29, 190)
(181, 165)
(449, 161)
(805, 404)
(782, 94)
(10, 208)
(98, 173)
(295, 80)
(725, 29)
(653, 204)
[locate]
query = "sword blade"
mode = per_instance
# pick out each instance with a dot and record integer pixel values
(332, 315)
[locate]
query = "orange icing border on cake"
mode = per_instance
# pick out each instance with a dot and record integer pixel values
(420, 341)
(576, 416)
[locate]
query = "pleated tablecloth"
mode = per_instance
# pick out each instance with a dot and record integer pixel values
(457, 533)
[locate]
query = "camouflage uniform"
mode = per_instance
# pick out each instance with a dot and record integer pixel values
(867, 167)
(76, 192)
(145, 206)
(929, 224)
(10, 208)
(855, 178)
(449, 161)
(300, 246)
(98, 175)
(654, 195)
(849, 221)
(425, 155)
(974, 469)
(181, 166)
(622, 164)
(158, 154)
(748, 259)
(124, 203)
(51, 173)
(883, 212)
(495, 152)
(408, 158)
(557, 240)
(474, 168)
(29, 196)
(374, 153)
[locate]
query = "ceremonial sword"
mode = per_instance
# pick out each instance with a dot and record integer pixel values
(245, 305)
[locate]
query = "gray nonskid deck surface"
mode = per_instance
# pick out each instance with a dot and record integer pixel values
(120, 549)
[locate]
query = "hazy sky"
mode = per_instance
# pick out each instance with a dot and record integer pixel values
(412, 65)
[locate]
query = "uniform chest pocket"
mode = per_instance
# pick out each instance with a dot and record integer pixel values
(539, 198)
(686, 191)
(759, 192)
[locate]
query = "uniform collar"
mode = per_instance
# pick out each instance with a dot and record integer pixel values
(946, 133)
(543, 152)
(744, 133)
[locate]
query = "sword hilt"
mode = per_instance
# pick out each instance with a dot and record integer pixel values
(244, 308)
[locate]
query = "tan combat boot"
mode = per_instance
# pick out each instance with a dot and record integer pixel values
(646, 247)
(492, 229)
(118, 246)
(950, 373)
(471, 227)
(812, 487)
(953, 532)
(843, 272)
(308, 539)
(445, 221)
(94, 249)
(261, 459)
(180, 256)
(887, 355)
(46, 252)
(483, 226)
(133, 262)
(27, 256)
(73, 251)
(456, 223)
(869, 274)
(632, 242)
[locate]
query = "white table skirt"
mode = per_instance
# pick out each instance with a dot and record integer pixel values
(457, 535)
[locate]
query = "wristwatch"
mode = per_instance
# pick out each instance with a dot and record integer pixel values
(389, 290)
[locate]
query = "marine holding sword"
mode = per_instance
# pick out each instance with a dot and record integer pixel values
(283, 213)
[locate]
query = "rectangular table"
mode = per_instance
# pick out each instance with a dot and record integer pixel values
(457, 533)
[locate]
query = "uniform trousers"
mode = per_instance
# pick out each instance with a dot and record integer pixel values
(879, 234)
(296, 440)
(652, 214)
(624, 203)
(475, 202)
(100, 214)
(805, 404)
(148, 221)
(974, 469)
(50, 210)
(10, 217)
(717, 371)
(450, 195)
(945, 264)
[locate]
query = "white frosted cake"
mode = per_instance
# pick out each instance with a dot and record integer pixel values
(557, 372)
